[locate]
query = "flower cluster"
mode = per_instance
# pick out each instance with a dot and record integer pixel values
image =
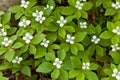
(57, 63)
(6, 42)
(48, 6)
(17, 60)
(24, 23)
(83, 24)
(116, 5)
(116, 74)
(95, 39)
(39, 16)
(115, 47)
(70, 39)
(27, 37)
(86, 65)
(45, 42)
(116, 30)
(79, 5)
(62, 21)
(24, 3)
(2, 32)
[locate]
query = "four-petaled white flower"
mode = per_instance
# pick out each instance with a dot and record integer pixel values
(86, 65)
(62, 21)
(57, 63)
(95, 39)
(45, 42)
(48, 6)
(115, 47)
(116, 30)
(6, 42)
(0, 25)
(70, 39)
(116, 5)
(24, 3)
(17, 60)
(83, 24)
(27, 38)
(24, 23)
(3, 33)
(79, 5)
(116, 74)
(39, 16)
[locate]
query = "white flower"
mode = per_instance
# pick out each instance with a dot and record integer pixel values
(79, 5)
(6, 42)
(17, 60)
(24, 23)
(0, 25)
(45, 42)
(86, 65)
(70, 39)
(24, 3)
(95, 39)
(83, 24)
(57, 63)
(27, 38)
(115, 47)
(116, 30)
(40, 19)
(62, 21)
(116, 5)
(37, 13)
(3, 33)
(48, 6)
(116, 74)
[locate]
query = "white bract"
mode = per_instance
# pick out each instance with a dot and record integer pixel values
(62, 21)
(116, 74)
(95, 39)
(24, 23)
(57, 63)
(6, 42)
(24, 3)
(116, 5)
(0, 25)
(45, 42)
(17, 60)
(70, 39)
(116, 30)
(3, 33)
(79, 5)
(83, 24)
(27, 38)
(86, 65)
(115, 47)
(48, 6)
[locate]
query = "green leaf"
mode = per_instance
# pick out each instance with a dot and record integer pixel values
(52, 37)
(80, 46)
(61, 54)
(80, 76)
(110, 12)
(106, 35)
(32, 3)
(77, 14)
(98, 3)
(62, 33)
(55, 74)
(2, 50)
(32, 49)
(45, 67)
(26, 70)
(15, 9)
(17, 45)
(50, 27)
(115, 39)
(67, 65)
(80, 36)
(50, 56)
(21, 32)
(76, 62)
(54, 46)
(63, 75)
(18, 15)
(71, 3)
(73, 73)
(84, 14)
(41, 51)
(5, 65)
(110, 25)
(87, 5)
(91, 75)
(6, 18)
(69, 28)
(93, 66)
(99, 50)
(67, 10)
(115, 56)
(9, 55)
(37, 38)
(11, 31)
(107, 71)
(74, 49)
(2, 12)
(64, 46)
